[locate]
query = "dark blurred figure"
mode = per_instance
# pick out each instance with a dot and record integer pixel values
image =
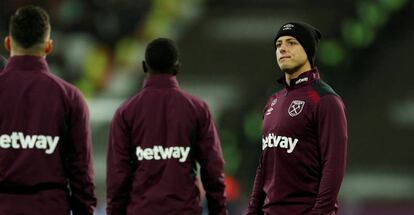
(3, 62)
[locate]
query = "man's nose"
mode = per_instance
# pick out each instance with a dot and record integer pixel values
(282, 48)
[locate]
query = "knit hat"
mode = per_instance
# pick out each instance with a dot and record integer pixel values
(307, 35)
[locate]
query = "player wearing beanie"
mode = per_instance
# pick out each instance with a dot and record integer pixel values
(304, 136)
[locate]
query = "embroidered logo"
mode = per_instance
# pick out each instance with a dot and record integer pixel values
(269, 111)
(296, 107)
(301, 80)
(273, 102)
(287, 27)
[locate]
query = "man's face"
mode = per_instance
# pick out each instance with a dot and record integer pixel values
(290, 54)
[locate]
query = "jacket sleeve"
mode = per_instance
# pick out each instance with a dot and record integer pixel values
(79, 159)
(333, 137)
(209, 155)
(119, 173)
(257, 196)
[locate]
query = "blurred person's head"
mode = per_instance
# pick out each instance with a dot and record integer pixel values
(29, 32)
(3, 62)
(161, 57)
(296, 45)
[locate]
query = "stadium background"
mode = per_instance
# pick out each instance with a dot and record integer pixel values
(228, 59)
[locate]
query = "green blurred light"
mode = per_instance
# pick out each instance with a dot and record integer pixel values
(331, 53)
(253, 125)
(86, 88)
(231, 151)
(392, 5)
(371, 14)
(357, 34)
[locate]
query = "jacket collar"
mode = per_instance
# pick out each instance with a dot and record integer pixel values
(27, 63)
(161, 81)
(303, 79)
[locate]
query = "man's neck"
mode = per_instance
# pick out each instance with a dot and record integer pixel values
(292, 75)
(22, 53)
(33, 51)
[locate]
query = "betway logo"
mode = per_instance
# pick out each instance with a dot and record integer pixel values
(161, 153)
(283, 142)
(302, 80)
(17, 140)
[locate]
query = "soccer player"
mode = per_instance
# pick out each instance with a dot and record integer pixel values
(304, 135)
(45, 140)
(156, 139)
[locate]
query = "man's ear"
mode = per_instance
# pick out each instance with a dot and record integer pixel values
(144, 67)
(49, 46)
(7, 43)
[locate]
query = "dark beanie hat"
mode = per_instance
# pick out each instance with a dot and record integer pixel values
(307, 35)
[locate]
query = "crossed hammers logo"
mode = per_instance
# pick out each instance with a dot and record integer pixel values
(295, 107)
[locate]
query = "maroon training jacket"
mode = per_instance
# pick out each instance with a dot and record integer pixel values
(45, 143)
(155, 140)
(304, 143)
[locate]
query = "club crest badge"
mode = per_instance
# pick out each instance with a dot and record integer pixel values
(296, 107)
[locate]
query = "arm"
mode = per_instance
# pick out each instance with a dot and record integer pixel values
(208, 153)
(257, 197)
(333, 137)
(79, 159)
(119, 173)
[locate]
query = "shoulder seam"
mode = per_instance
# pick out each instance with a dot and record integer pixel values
(323, 88)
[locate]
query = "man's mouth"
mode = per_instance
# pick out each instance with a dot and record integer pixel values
(283, 58)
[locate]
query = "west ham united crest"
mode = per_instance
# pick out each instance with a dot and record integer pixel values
(296, 107)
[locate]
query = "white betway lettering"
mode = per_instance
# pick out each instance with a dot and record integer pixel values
(161, 153)
(17, 140)
(272, 140)
(301, 80)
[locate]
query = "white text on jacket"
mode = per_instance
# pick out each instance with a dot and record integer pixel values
(17, 140)
(161, 153)
(283, 142)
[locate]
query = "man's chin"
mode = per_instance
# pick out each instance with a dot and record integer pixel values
(287, 69)
(290, 69)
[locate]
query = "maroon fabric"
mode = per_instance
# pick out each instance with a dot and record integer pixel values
(304, 144)
(155, 140)
(45, 142)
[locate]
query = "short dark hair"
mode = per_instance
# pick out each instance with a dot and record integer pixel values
(161, 54)
(29, 26)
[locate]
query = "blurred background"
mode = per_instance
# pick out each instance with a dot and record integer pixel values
(228, 60)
